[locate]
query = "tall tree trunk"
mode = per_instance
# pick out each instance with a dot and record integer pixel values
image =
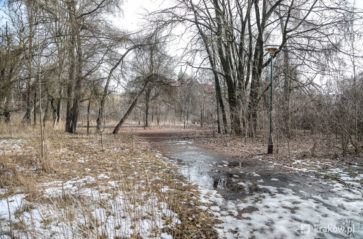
(69, 105)
(7, 109)
(61, 81)
(218, 118)
(58, 108)
(129, 110)
(257, 67)
(226, 64)
(35, 107)
(78, 86)
(46, 111)
(105, 89)
(253, 104)
(29, 56)
(287, 92)
(219, 99)
(147, 103)
(8, 93)
(71, 69)
(54, 111)
(202, 115)
(26, 118)
(211, 56)
(101, 109)
(88, 115)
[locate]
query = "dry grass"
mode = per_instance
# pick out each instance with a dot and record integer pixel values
(303, 146)
(87, 189)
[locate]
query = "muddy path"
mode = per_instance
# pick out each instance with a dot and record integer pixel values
(255, 198)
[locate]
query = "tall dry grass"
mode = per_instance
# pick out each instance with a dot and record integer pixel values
(140, 195)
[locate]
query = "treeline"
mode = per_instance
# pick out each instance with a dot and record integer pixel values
(62, 58)
(51, 53)
(316, 40)
(57, 56)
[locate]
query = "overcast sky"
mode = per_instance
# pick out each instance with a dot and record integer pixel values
(132, 19)
(133, 12)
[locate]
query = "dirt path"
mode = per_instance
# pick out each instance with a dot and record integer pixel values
(257, 198)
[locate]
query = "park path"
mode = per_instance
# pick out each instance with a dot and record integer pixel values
(255, 199)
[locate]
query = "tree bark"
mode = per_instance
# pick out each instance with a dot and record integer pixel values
(71, 69)
(287, 92)
(35, 107)
(257, 67)
(211, 56)
(147, 103)
(129, 110)
(88, 115)
(7, 110)
(226, 64)
(78, 86)
(54, 111)
(46, 111)
(218, 118)
(105, 89)
(29, 56)
(28, 109)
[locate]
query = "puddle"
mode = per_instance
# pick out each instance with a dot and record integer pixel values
(253, 199)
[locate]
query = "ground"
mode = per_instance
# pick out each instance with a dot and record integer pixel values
(93, 187)
(174, 184)
(254, 195)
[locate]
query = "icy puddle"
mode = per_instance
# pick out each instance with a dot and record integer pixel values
(253, 199)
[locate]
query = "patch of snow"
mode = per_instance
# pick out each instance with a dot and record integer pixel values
(119, 216)
(282, 213)
(165, 189)
(103, 176)
(165, 236)
(72, 186)
(11, 145)
(215, 208)
(8, 206)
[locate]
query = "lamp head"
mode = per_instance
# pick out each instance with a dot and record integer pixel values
(271, 50)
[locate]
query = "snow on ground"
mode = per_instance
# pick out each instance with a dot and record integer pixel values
(11, 145)
(351, 174)
(279, 210)
(98, 205)
(283, 213)
(75, 209)
(8, 206)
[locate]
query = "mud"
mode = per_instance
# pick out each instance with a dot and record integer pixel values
(226, 174)
(239, 180)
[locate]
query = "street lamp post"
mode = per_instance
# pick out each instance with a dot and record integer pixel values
(270, 147)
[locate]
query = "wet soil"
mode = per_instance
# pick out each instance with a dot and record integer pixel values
(232, 178)
(239, 180)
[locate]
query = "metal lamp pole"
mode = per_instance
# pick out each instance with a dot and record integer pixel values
(270, 147)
